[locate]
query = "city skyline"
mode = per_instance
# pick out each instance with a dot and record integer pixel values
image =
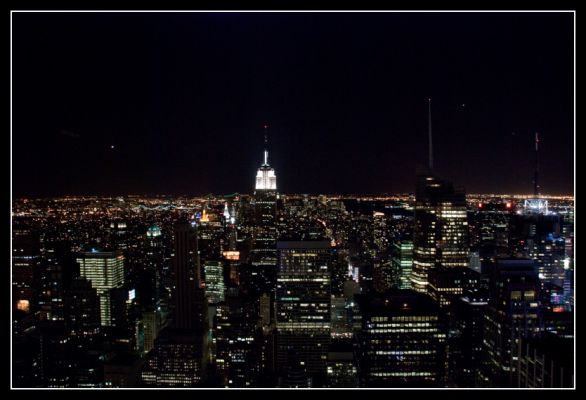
(346, 102)
(292, 200)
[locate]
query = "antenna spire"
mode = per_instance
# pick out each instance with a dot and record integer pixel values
(536, 175)
(430, 137)
(266, 151)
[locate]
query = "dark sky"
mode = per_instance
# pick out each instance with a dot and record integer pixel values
(182, 97)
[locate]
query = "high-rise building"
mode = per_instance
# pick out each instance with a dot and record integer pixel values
(402, 263)
(214, 279)
(189, 296)
(402, 342)
(84, 331)
(237, 360)
(303, 305)
(105, 271)
(150, 285)
(465, 337)
(57, 272)
(380, 231)
(440, 237)
(512, 315)
(440, 234)
(151, 321)
(264, 203)
(180, 356)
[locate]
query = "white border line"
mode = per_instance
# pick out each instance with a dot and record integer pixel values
(291, 11)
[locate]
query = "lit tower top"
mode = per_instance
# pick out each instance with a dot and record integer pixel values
(265, 175)
(226, 212)
(204, 216)
(153, 231)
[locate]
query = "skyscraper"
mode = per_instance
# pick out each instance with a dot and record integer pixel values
(440, 237)
(380, 231)
(150, 284)
(303, 305)
(189, 308)
(264, 204)
(402, 263)
(179, 358)
(214, 278)
(105, 271)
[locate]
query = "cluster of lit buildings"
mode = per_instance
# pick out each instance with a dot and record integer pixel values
(436, 289)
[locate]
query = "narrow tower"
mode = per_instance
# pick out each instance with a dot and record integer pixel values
(536, 205)
(536, 173)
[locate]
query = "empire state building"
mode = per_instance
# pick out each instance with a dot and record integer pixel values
(265, 176)
(264, 203)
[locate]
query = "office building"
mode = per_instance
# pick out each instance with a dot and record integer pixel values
(440, 237)
(402, 342)
(512, 315)
(214, 281)
(105, 271)
(303, 305)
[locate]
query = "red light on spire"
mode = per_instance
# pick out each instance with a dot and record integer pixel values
(266, 126)
(479, 205)
(509, 205)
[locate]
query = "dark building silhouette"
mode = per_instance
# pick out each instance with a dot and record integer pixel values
(465, 337)
(448, 283)
(303, 305)
(178, 360)
(189, 307)
(180, 356)
(237, 358)
(511, 316)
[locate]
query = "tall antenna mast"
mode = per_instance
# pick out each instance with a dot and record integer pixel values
(266, 152)
(430, 138)
(536, 175)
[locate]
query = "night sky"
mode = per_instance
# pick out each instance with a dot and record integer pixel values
(183, 97)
